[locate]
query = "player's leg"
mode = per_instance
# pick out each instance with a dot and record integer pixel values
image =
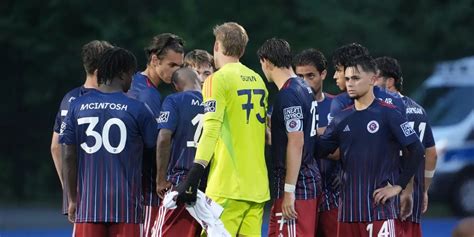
(175, 222)
(305, 225)
(327, 225)
(253, 220)
(123, 230)
(233, 214)
(89, 229)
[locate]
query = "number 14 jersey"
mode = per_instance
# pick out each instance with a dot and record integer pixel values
(110, 131)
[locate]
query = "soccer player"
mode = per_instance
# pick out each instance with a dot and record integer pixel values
(91, 53)
(103, 137)
(311, 65)
(165, 55)
(180, 126)
(389, 76)
(294, 118)
(341, 58)
(369, 135)
(201, 61)
(235, 99)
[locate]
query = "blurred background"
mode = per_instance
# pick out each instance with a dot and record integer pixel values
(42, 42)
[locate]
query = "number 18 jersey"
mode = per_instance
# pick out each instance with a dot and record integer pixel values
(110, 131)
(236, 96)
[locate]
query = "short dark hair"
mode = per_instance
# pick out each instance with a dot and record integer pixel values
(366, 62)
(389, 67)
(344, 54)
(113, 63)
(277, 51)
(162, 43)
(198, 57)
(311, 57)
(91, 54)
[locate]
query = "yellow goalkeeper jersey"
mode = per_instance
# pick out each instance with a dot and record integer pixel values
(236, 98)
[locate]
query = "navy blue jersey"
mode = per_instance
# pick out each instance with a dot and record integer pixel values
(62, 112)
(182, 113)
(143, 90)
(64, 106)
(418, 119)
(110, 131)
(329, 169)
(369, 141)
(294, 110)
(343, 100)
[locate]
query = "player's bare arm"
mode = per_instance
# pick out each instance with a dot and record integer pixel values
(69, 172)
(163, 147)
(56, 154)
(294, 152)
(430, 166)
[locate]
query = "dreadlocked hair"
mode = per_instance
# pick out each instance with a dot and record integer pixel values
(113, 63)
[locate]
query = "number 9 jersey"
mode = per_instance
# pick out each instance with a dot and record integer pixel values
(110, 131)
(236, 97)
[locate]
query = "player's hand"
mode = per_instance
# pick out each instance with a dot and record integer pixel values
(162, 186)
(406, 205)
(381, 195)
(425, 202)
(288, 206)
(186, 193)
(71, 212)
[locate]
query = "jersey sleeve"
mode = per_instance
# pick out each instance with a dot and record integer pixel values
(169, 114)
(401, 128)
(148, 127)
(67, 131)
(428, 139)
(215, 102)
(292, 112)
(401, 107)
(62, 112)
(152, 100)
(337, 105)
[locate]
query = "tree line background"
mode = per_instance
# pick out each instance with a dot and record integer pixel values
(41, 43)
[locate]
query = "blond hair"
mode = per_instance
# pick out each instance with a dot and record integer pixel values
(233, 38)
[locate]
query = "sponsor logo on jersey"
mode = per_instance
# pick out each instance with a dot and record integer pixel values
(62, 128)
(407, 129)
(293, 125)
(389, 100)
(71, 99)
(373, 126)
(164, 116)
(294, 112)
(210, 106)
(347, 129)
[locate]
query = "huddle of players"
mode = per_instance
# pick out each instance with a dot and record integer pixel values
(355, 194)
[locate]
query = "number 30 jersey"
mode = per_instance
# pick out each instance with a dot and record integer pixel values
(182, 114)
(236, 98)
(110, 131)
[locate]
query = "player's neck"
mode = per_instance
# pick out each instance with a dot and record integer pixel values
(281, 75)
(364, 101)
(223, 60)
(111, 86)
(152, 75)
(91, 81)
(319, 95)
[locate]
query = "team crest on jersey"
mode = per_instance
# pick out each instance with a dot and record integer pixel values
(294, 112)
(373, 126)
(293, 125)
(210, 106)
(407, 129)
(164, 116)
